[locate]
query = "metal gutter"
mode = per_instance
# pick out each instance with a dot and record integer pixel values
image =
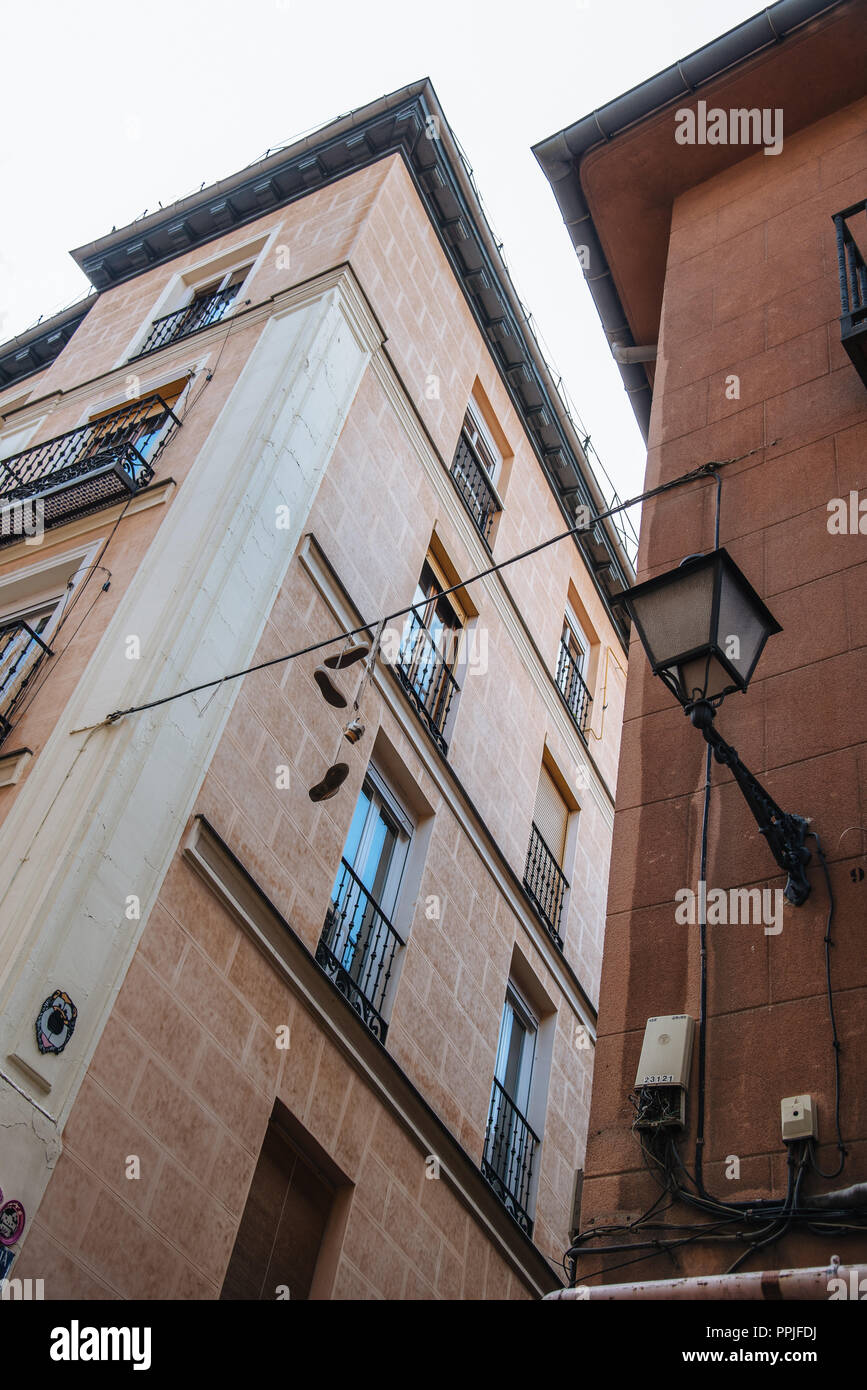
(560, 155)
(37, 347)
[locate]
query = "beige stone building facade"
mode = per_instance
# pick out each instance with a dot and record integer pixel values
(278, 1046)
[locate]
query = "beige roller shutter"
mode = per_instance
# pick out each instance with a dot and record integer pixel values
(551, 815)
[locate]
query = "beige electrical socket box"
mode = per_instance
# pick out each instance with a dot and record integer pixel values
(800, 1120)
(666, 1053)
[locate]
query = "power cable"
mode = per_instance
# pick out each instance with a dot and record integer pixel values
(702, 471)
(835, 1041)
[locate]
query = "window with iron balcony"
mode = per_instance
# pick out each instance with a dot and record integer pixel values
(429, 650)
(24, 646)
(359, 947)
(209, 304)
(102, 461)
(853, 283)
(474, 470)
(510, 1143)
(571, 677)
(544, 879)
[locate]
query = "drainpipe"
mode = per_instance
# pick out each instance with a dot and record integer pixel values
(773, 1284)
(627, 356)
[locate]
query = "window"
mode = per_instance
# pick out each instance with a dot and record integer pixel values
(572, 670)
(102, 460)
(510, 1143)
(543, 873)
(359, 944)
(13, 440)
(475, 468)
(429, 651)
(207, 304)
(24, 643)
(135, 431)
(481, 441)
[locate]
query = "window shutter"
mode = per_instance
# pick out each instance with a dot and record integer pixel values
(551, 815)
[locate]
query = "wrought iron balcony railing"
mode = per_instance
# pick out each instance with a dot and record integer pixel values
(853, 289)
(546, 884)
(422, 669)
(510, 1147)
(475, 486)
(571, 685)
(357, 949)
(90, 466)
(21, 651)
(191, 319)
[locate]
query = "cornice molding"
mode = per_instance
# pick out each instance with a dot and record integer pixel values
(37, 348)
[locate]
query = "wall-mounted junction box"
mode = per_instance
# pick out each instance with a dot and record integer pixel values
(666, 1052)
(800, 1120)
(663, 1072)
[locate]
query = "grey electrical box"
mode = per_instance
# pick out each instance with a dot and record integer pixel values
(799, 1118)
(666, 1053)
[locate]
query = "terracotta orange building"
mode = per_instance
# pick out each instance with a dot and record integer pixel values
(299, 967)
(719, 212)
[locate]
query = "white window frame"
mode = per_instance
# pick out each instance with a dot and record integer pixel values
(384, 796)
(182, 286)
(571, 621)
(33, 588)
(515, 1006)
(15, 438)
(474, 420)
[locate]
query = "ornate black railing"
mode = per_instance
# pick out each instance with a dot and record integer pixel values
(94, 464)
(191, 319)
(422, 669)
(474, 486)
(571, 685)
(357, 949)
(21, 652)
(853, 289)
(546, 884)
(510, 1147)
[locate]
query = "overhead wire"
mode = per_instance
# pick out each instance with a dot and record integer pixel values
(702, 471)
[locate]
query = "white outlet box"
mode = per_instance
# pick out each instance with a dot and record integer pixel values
(799, 1118)
(666, 1052)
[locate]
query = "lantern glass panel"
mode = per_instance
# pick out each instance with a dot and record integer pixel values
(703, 679)
(739, 620)
(676, 617)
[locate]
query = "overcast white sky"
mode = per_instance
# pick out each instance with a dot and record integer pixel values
(112, 107)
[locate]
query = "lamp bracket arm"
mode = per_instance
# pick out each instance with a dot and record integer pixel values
(784, 831)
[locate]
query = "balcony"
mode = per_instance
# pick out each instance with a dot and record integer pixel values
(357, 949)
(475, 487)
(571, 685)
(546, 884)
(422, 670)
(22, 651)
(510, 1148)
(182, 323)
(853, 289)
(89, 467)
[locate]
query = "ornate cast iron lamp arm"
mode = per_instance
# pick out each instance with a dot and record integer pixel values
(784, 832)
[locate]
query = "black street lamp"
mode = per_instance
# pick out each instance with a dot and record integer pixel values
(703, 627)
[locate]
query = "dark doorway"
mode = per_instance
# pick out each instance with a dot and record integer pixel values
(282, 1226)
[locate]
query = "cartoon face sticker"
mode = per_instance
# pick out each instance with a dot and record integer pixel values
(11, 1221)
(56, 1022)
